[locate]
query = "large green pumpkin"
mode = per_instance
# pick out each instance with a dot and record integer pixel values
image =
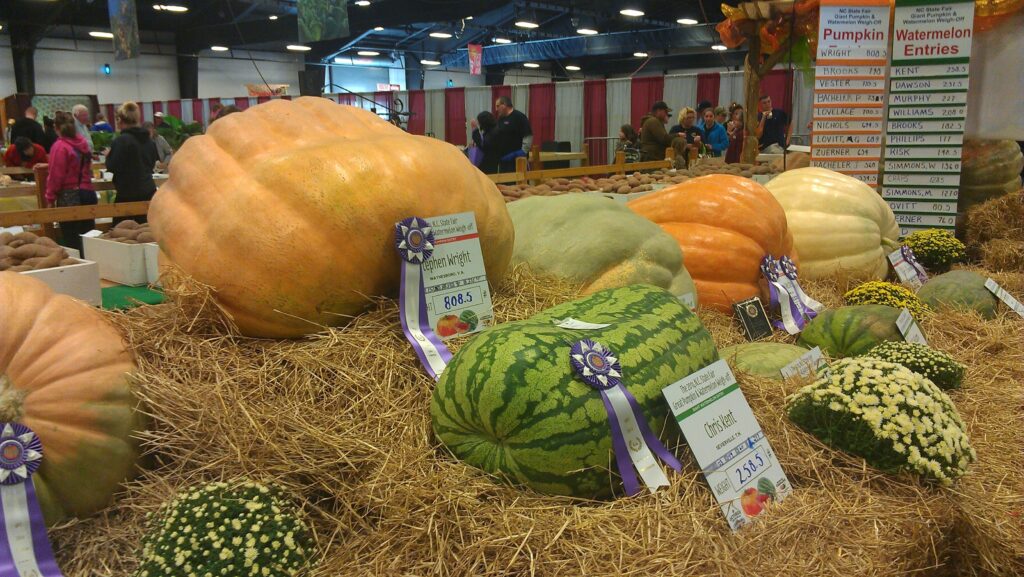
(761, 359)
(568, 236)
(510, 404)
(852, 331)
(959, 289)
(990, 169)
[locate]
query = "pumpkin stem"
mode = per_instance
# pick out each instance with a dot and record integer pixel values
(11, 400)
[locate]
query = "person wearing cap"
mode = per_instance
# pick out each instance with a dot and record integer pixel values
(158, 119)
(24, 153)
(654, 139)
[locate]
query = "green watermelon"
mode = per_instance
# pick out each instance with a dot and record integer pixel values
(959, 289)
(760, 358)
(851, 331)
(510, 404)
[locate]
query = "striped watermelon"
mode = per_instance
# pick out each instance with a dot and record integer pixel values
(509, 403)
(852, 330)
(761, 359)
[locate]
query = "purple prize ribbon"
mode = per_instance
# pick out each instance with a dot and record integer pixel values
(807, 305)
(24, 546)
(791, 320)
(908, 255)
(414, 241)
(600, 368)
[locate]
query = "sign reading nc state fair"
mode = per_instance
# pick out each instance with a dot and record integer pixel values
(728, 443)
(454, 279)
(931, 54)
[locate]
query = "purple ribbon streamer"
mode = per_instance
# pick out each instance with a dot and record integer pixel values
(652, 440)
(622, 459)
(40, 540)
(804, 309)
(908, 255)
(770, 269)
(424, 326)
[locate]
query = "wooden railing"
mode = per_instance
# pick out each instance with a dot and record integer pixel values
(620, 166)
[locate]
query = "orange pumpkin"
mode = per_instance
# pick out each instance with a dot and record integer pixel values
(64, 374)
(287, 210)
(725, 225)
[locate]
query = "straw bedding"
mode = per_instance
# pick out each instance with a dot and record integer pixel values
(341, 420)
(995, 232)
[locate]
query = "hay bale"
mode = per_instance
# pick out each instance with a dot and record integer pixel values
(1003, 254)
(1000, 218)
(341, 420)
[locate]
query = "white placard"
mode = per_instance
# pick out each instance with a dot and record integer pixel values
(916, 84)
(845, 126)
(923, 207)
(896, 153)
(836, 139)
(1014, 304)
(93, 233)
(576, 324)
(911, 332)
(914, 126)
(919, 99)
(923, 179)
(919, 194)
(909, 71)
(454, 279)
(921, 138)
(806, 365)
(728, 443)
(689, 300)
(905, 271)
(926, 220)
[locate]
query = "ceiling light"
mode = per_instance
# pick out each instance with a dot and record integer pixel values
(631, 12)
(531, 65)
(219, 48)
(468, 18)
(586, 31)
(169, 8)
(368, 53)
(96, 34)
(640, 54)
(572, 68)
(363, 3)
(298, 48)
(378, 28)
(719, 47)
(687, 21)
(272, 17)
(500, 40)
(426, 62)
(440, 35)
(524, 23)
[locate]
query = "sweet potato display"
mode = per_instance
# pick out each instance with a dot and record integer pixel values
(25, 251)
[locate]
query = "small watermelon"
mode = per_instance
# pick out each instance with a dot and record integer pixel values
(470, 319)
(852, 331)
(959, 289)
(761, 359)
(510, 404)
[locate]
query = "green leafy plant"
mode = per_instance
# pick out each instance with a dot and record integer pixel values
(887, 293)
(938, 367)
(226, 530)
(936, 249)
(176, 132)
(101, 140)
(894, 418)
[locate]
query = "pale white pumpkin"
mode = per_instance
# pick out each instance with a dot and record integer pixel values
(841, 227)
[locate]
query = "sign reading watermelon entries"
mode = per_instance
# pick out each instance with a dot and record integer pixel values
(931, 57)
(728, 443)
(444, 289)
(849, 87)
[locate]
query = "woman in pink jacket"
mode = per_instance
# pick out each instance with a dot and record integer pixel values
(69, 182)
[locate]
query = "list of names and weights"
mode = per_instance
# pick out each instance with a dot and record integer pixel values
(927, 107)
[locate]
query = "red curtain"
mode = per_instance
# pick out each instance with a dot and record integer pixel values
(382, 100)
(262, 99)
(455, 115)
(347, 99)
(197, 111)
(158, 107)
(542, 112)
(110, 110)
(644, 92)
(595, 119)
(174, 108)
(242, 102)
(779, 85)
(708, 85)
(417, 112)
(500, 90)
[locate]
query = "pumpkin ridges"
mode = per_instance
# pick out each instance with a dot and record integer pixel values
(705, 248)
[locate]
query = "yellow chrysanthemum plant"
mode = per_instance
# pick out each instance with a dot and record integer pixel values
(227, 530)
(894, 418)
(935, 249)
(886, 293)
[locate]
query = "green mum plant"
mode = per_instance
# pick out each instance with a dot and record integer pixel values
(936, 249)
(886, 293)
(226, 530)
(894, 418)
(936, 366)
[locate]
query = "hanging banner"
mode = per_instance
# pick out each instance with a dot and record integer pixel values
(267, 89)
(849, 87)
(322, 20)
(476, 59)
(124, 24)
(930, 69)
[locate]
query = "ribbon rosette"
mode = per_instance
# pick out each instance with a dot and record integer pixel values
(24, 546)
(908, 255)
(779, 297)
(807, 305)
(414, 241)
(632, 438)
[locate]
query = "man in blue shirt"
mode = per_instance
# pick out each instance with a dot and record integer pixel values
(773, 125)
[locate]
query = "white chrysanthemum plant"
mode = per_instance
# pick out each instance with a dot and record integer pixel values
(227, 530)
(894, 418)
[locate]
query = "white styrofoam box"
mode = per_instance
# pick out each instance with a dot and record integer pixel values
(763, 178)
(81, 280)
(72, 252)
(152, 251)
(119, 262)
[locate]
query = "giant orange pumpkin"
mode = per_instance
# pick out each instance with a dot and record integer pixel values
(725, 225)
(287, 210)
(64, 374)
